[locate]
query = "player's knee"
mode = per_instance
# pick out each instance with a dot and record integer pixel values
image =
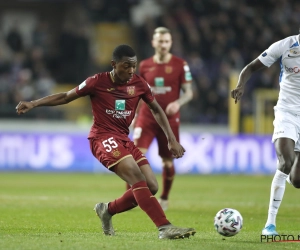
(285, 165)
(153, 191)
(167, 163)
(153, 188)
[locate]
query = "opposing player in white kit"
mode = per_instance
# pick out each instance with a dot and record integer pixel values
(287, 118)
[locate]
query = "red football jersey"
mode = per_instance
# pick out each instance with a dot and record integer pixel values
(165, 80)
(114, 105)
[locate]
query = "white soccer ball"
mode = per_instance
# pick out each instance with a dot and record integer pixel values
(228, 222)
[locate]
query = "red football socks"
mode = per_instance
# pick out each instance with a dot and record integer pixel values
(149, 203)
(122, 204)
(168, 177)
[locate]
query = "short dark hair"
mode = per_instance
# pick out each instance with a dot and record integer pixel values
(121, 51)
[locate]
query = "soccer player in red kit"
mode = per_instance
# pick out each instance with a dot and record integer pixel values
(167, 75)
(114, 97)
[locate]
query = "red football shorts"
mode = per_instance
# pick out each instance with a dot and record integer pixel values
(145, 132)
(110, 151)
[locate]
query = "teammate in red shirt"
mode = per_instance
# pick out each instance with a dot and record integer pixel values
(114, 98)
(167, 75)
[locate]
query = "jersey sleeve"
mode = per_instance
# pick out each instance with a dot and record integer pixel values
(86, 87)
(148, 96)
(272, 54)
(186, 75)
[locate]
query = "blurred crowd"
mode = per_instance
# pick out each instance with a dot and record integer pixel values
(24, 72)
(215, 37)
(37, 54)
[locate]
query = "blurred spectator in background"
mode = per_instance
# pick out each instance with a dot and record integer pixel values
(14, 39)
(74, 46)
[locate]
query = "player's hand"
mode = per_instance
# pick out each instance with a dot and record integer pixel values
(237, 93)
(176, 149)
(24, 107)
(172, 108)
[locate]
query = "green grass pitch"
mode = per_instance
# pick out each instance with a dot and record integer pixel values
(55, 211)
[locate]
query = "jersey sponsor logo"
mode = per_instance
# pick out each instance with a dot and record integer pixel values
(168, 69)
(160, 87)
(159, 81)
(109, 111)
(120, 105)
(295, 51)
(111, 89)
(119, 114)
(122, 114)
(188, 76)
(264, 54)
(279, 132)
(131, 90)
(295, 69)
(161, 90)
(82, 85)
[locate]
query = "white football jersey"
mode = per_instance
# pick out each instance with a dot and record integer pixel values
(288, 53)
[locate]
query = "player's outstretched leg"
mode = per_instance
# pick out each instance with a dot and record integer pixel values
(276, 196)
(101, 210)
(171, 232)
(150, 205)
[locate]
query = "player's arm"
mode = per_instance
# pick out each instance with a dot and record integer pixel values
(138, 107)
(51, 100)
(244, 76)
(132, 125)
(176, 149)
(173, 107)
(187, 94)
